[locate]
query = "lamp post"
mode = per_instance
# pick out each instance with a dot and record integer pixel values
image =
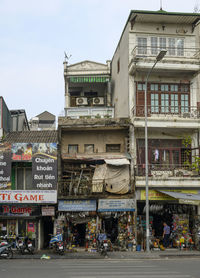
(158, 58)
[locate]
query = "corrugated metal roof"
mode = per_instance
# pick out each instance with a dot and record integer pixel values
(45, 136)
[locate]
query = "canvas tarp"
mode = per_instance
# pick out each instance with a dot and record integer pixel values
(115, 178)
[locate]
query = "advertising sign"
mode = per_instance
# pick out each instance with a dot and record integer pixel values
(116, 205)
(48, 211)
(77, 205)
(44, 166)
(21, 151)
(19, 210)
(5, 165)
(28, 196)
(155, 195)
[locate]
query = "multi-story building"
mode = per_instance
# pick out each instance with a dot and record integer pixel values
(95, 186)
(28, 185)
(173, 110)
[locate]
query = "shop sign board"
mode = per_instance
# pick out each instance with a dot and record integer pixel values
(77, 205)
(44, 166)
(189, 202)
(116, 205)
(155, 195)
(48, 211)
(21, 151)
(28, 196)
(5, 165)
(19, 210)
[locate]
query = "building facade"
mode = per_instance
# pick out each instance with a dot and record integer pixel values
(173, 117)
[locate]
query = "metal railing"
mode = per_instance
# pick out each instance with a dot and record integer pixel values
(148, 52)
(190, 112)
(166, 170)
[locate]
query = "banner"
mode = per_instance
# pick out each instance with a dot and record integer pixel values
(19, 210)
(48, 211)
(44, 166)
(28, 196)
(21, 151)
(155, 195)
(5, 165)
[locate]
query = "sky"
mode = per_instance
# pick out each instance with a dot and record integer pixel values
(35, 33)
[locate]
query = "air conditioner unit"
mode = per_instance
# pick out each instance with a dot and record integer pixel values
(98, 101)
(81, 101)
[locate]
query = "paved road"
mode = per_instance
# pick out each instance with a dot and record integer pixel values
(159, 268)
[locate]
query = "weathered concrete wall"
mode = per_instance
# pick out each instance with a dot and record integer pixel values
(99, 138)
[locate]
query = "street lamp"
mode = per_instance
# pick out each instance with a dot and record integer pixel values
(158, 58)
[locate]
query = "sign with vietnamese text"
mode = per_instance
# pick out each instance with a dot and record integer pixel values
(5, 165)
(28, 196)
(48, 211)
(19, 210)
(116, 205)
(77, 205)
(44, 166)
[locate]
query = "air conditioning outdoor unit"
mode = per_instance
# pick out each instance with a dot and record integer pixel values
(81, 101)
(98, 101)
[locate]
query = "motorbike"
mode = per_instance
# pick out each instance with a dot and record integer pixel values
(56, 243)
(19, 243)
(103, 247)
(6, 251)
(26, 246)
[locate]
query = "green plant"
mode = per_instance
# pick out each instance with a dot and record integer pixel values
(195, 164)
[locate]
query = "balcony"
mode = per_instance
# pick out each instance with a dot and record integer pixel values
(163, 176)
(163, 116)
(90, 112)
(183, 59)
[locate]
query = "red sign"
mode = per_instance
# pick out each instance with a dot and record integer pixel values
(16, 210)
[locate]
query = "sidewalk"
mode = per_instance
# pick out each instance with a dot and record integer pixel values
(128, 255)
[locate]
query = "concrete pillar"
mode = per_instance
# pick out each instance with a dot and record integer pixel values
(109, 98)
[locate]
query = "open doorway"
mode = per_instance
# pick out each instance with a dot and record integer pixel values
(47, 231)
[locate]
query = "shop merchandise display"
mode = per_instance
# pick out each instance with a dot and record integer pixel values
(91, 235)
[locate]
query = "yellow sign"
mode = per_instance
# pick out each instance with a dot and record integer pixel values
(155, 195)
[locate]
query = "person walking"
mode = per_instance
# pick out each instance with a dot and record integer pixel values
(166, 235)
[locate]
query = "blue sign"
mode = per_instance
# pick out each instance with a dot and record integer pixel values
(77, 205)
(116, 205)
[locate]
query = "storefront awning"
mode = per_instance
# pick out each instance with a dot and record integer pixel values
(184, 198)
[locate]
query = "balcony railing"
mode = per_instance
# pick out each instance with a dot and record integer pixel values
(91, 112)
(166, 171)
(86, 188)
(147, 51)
(190, 112)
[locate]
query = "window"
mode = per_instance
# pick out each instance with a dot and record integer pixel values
(23, 178)
(174, 103)
(142, 45)
(154, 103)
(172, 46)
(164, 103)
(163, 43)
(89, 148)
(164, 88)
(141, 86)
(174, 88)
(184, 103)
(180, 47)
(72, 149)
(154, 87)
(113, 148)
(154, 45)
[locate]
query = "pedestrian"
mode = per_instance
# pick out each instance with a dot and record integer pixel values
(166, 235)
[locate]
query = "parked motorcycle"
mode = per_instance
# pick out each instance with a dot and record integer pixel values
(26, 245)
(56, 243)
(6, 251)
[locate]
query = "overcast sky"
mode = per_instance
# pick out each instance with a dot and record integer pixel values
(35, 33)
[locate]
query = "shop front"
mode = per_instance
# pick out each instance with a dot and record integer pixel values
(20, 220)
(177, 208)
(77, 221)
(116, 217)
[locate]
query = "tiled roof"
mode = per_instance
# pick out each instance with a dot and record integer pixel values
(45, 136)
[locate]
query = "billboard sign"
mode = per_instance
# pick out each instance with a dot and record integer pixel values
(5, 165)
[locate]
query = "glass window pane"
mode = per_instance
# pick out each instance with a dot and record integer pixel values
(28, 178)
(162, 43)
(172, 48)
(142, 45)
(72, 149)
(180, 47)
(20, 178)
(139, 86)
(154, 45)
(89, 148)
